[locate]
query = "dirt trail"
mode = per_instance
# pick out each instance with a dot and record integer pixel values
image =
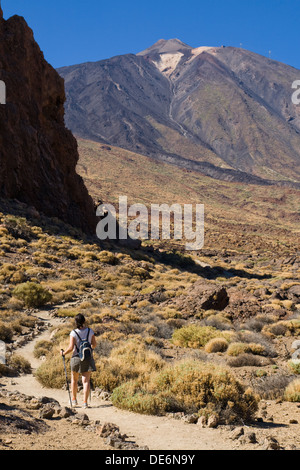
(158, 433)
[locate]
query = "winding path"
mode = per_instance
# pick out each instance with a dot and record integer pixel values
(156, 432)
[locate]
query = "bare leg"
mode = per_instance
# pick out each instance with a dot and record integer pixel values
(86, 377)
(74, 383)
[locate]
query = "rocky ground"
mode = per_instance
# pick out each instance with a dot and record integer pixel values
(38, 421)
(145, 296)
(29, 423)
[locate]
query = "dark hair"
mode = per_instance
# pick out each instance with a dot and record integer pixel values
(79, 320)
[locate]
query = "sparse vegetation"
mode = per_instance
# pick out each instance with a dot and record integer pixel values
(32, 294)
(18, 228)
(292, 392)
(42, 348)
(153, 345)
(192, 387)
(216, 345)
(18, 364)
(235, 349)
(196, 336)
(128, 361)
(51, 373)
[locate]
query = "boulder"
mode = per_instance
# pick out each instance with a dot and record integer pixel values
(47, 412)
(294, 293)
(237, 433)
(270, 443)
(203, 295)
(202, 422)
(296, 355)
(212, 421)
(296, 344)
(65, 412)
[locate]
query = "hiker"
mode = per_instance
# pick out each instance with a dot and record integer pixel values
(81, 338)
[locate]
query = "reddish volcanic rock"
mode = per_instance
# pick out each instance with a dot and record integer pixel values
(38, 154)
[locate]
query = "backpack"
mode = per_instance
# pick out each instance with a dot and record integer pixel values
(85, 348)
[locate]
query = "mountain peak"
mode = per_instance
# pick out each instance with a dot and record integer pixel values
(166, 46)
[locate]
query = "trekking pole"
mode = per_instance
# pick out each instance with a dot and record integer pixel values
(91, 386)
(68, 388)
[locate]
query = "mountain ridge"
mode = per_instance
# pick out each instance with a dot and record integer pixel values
(219, 106)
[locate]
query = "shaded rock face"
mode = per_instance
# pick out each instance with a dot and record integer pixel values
(203, 295)
(38, 155)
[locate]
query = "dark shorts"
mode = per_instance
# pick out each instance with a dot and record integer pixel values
(82, 366)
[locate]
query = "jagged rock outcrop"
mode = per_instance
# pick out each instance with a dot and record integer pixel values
(38, 154)
(203, 296)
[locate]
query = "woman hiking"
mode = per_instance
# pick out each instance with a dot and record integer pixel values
(82, 341)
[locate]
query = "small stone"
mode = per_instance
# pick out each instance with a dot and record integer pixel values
(65, 412)
(270, 443)
(191, 419)
(251, 437)
(48, 400)
(34, 405)
(201, 422)
(46, 412)
(296, 344)
(110, 441)
(296, 355)
(107, 430)
(212, 421)
(118, 444)
(237, 433)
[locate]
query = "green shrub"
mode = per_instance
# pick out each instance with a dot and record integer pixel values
(42, 348)
(283, 328)
(32, 294)
(292, 392)
(67, 312)
(191, 387)
(134, 271)
(216, 345)
(108, 258)
(235, 349)
(245, 360)
(19, 364)
(51, 373)
(6, 333)
(18, 228)
(129, 396)
(4, 370)
(128, 361)
(295, 367)
(196, 336)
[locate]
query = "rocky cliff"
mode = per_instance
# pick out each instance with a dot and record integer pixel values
(38, 154)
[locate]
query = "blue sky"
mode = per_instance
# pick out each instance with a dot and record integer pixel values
(72, 31)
